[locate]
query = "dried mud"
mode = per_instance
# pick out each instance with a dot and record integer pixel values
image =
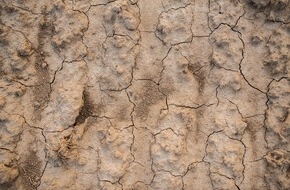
(143, 94)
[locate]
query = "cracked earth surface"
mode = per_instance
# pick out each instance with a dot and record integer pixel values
(143, 94)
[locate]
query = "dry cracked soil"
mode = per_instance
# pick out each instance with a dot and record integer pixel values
(144, 94)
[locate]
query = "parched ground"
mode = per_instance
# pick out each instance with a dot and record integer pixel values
(144, 94)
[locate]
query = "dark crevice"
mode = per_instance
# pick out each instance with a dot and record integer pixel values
(86, 110)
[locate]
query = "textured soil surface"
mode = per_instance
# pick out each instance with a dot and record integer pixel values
(144, 94)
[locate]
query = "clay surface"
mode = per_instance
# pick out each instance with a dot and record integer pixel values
(145, 94)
